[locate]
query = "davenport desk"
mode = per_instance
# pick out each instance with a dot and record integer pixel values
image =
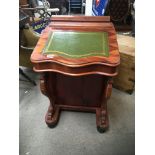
(77, 56)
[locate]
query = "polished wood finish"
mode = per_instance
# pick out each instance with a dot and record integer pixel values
(81, 18)
(81, 84)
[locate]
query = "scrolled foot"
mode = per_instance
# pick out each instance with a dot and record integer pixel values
(101, 129)
(52, 117)
(52, 125)
(101, 120)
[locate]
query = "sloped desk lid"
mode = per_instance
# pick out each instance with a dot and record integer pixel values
(77, 42)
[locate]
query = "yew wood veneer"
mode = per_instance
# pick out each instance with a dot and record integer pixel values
(77, 56)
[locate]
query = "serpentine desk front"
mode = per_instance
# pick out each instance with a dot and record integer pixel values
(77, 56)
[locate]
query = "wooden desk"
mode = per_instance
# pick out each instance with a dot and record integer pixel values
(78, 56)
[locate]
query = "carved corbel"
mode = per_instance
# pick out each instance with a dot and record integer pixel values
(43, 85)
(108, 88)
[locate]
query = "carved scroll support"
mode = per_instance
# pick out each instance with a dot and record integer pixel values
(43, 85)
(52, 114)
(102, 113)
(108, 89)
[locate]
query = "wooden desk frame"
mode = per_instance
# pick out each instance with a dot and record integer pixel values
(98, 67)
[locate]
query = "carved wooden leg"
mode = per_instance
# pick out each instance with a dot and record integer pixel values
(52, 116)
(102, 120)
(47, 88)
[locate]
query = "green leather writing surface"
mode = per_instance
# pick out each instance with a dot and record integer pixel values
(77, 44)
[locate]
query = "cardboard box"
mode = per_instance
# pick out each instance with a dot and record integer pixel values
(125, 80)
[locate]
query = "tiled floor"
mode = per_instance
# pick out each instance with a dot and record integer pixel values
(76, 132)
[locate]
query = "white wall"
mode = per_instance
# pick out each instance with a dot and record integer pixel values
(88, 9)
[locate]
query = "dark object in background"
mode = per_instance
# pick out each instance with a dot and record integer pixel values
(23, 2)
(66, 5)
(133, 19)
(118, 9)
(75, 6)
(33, 3)
(120, 13)
(60, 4)
(23, 18)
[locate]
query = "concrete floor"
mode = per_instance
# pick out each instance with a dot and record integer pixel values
(76, 132)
